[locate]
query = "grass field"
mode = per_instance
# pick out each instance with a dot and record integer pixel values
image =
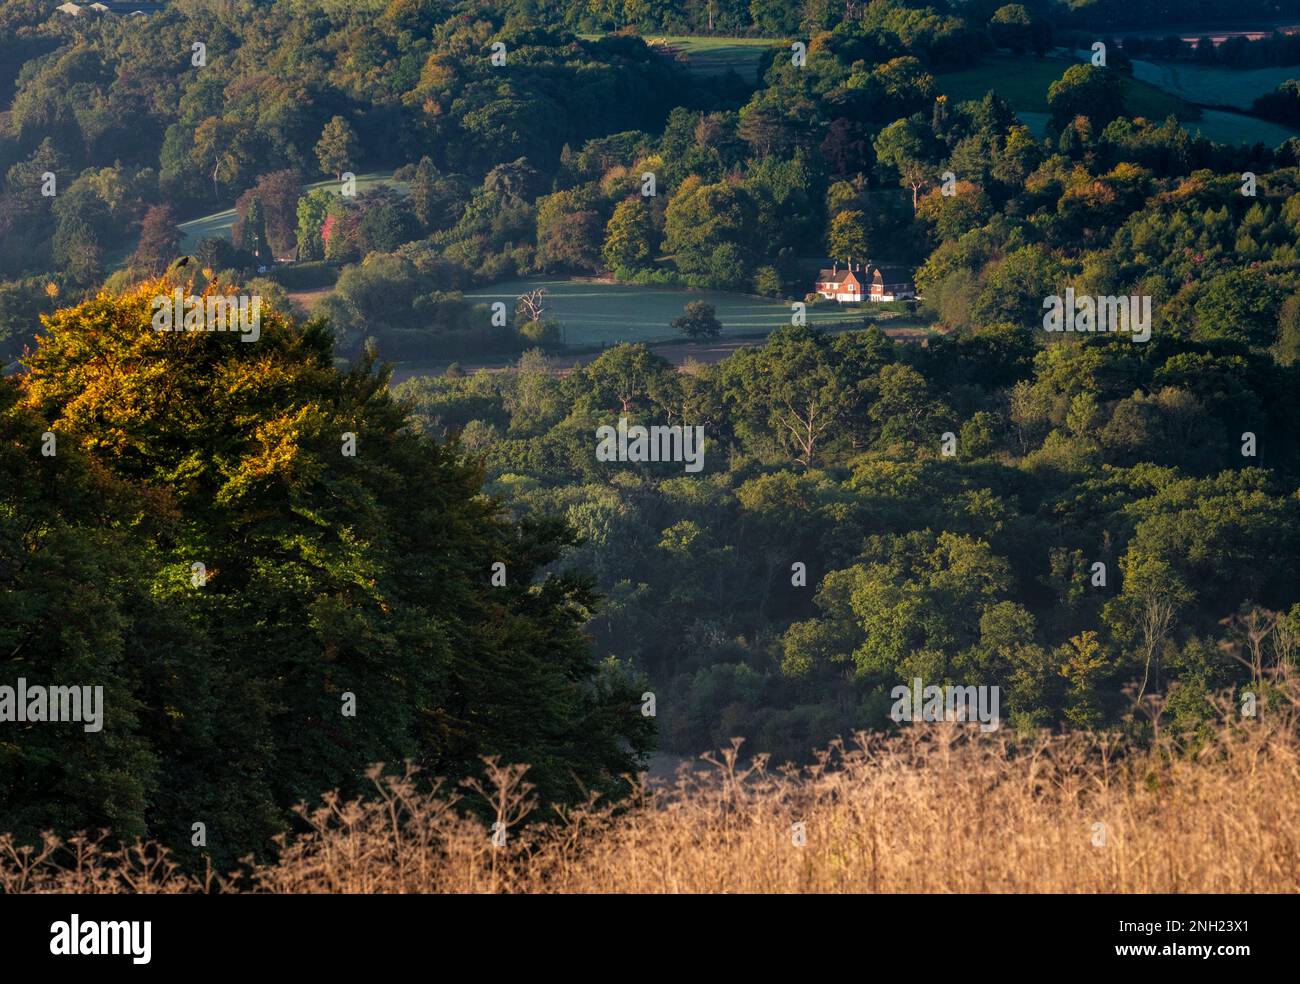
(596, 313)
(1156, 91)
(713, 56)
(717, 56)
(1236, 128)
(220, 223)
(1023, 82)
(1211, 85)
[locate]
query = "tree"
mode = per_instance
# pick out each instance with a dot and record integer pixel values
(1085, 90)
(1010, 28)
(629, 236)
(1082, 661)
(568, 233)
(159, 239)
(703, 218)
(909, 148)
(848, 236)
(312, 209)
(327, 578)
(623, 376)
(788, 388)
(337, 147)
(250, 228)
(699, 322)
(278, 193)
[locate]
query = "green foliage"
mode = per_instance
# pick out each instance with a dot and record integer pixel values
(327, 575)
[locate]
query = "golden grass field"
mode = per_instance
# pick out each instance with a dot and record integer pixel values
(941, 808)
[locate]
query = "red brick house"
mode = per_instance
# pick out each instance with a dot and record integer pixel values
(839, 285)
(872, 283)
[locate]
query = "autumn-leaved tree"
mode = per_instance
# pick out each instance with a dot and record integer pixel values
(344, 613)
(337, 147)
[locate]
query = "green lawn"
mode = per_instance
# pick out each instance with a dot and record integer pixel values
(220, 223)
(592, 313)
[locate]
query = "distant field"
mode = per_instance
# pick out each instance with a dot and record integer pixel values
(1211, 85)
(1234, 128)
(1023, 82)
(220, 223)
(714, 56)
(717, 56)
(594, 313)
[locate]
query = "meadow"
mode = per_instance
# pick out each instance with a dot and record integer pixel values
(1023, 82)
(717, 56)
(1155, 91)
(598, 313)
(1213, 85)
(937, 808)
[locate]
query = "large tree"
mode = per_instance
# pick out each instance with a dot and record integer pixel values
(345, 558)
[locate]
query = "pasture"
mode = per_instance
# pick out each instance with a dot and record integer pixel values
(1213, 85)
(1023, 82)
(1156, 90)
(717, 56)
(606, 313)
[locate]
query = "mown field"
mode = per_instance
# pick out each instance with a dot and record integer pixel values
(605, 313)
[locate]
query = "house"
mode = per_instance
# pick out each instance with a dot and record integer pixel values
(839, 285)
(886, 283)
(98, 8)
(71, 9)
(865, 283)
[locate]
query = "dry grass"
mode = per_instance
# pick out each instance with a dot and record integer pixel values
(941, 808)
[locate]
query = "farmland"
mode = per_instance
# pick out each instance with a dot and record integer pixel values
(1156, 91)
(605, 314)
(1023, 82)
(1212, 85)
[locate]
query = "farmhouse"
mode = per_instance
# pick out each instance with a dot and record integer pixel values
(839, 285)
(869, 283)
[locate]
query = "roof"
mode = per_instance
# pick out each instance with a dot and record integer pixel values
(834, 276)
(892, 274)
(69, 8)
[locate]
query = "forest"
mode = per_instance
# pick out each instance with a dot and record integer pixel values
(1105, 529)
